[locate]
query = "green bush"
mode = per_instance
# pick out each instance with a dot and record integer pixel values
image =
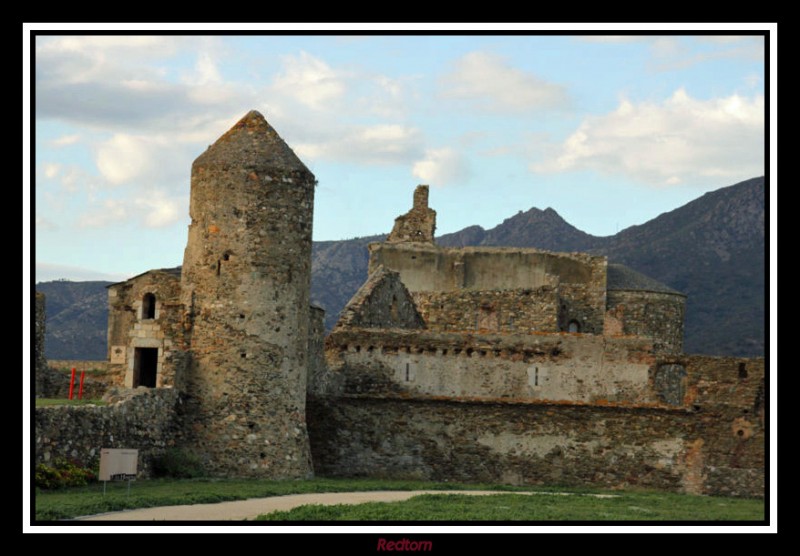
(63, 473)
(178, 464)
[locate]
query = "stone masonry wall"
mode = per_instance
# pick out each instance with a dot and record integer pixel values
(129, 328)
(146, 421)
(39, 362)
(509, 311)
(556, 367)
(316, 346)
(712, 444)
(649, 314)
(579, 279)
(382, 302)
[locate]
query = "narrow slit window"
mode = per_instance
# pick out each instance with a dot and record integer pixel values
(149, 306)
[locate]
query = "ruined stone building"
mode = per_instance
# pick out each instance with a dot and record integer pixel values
(507, 365)
(229, 329)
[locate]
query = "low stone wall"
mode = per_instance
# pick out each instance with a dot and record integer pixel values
(713, 443)
(145, 421)
(98, 379)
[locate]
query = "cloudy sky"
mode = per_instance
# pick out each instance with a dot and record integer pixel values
(608, 130)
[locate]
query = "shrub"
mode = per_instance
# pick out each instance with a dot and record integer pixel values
(63, 473)
(178, 464)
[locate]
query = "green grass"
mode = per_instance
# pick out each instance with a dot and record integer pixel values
(47, 402)
(537, 507)
(74, 502)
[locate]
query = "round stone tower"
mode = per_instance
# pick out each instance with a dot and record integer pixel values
(245, 288)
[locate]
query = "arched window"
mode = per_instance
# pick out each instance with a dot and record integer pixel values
(573, 326)
(149, 306)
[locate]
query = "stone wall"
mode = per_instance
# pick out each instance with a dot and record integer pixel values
(382, 302)
(712, 444)
(131, 329)
(146, 421)
(579, 279)
(316, 347)
(97, 378)
(575, 368)
(654, 315)
(39, 362)
(509, 311)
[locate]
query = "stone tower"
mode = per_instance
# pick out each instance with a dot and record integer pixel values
(245, 288)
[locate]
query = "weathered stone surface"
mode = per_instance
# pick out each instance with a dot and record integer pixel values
(245, 290)
(382, 302)
(146, 420)
(419, 224)
(655, 315)
(145, 313)
(503, 365)
(520, 311)
(448, 274)
(533, 367)
(608, 445)
(39, 361)
(553, 367)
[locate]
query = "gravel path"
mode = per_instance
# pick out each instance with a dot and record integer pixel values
(249, 509)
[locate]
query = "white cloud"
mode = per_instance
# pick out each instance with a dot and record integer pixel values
(66, 140)
(310, 81)
(110, 211)
(612, 38)
(680, 140)
(43, 223)
(50, 169)
(206, 69)
(441, 167)
(157, 210)
(127, 84)
(125, 157)
(674, 53)
(384, 97)
(491, 84)
(71, 179)
(377, 144)
(753, 80)
(724, 39)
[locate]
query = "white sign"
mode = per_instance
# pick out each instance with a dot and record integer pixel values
(118, 463)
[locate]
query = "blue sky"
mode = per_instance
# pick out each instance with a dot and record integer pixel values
(608, 130)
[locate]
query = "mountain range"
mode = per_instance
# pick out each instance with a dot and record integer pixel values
(712, 249)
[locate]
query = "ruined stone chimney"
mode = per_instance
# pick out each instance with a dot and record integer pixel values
(245, 288)
(419, 224)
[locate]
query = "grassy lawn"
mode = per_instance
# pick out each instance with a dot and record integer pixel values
(45, 402)
(74, 502)
(628, 506)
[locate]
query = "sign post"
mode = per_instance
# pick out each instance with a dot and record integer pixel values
(118, 464)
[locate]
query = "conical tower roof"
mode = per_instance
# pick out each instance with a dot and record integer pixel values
(251, 144)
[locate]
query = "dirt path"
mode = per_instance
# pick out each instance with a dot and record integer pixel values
(249, 509)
